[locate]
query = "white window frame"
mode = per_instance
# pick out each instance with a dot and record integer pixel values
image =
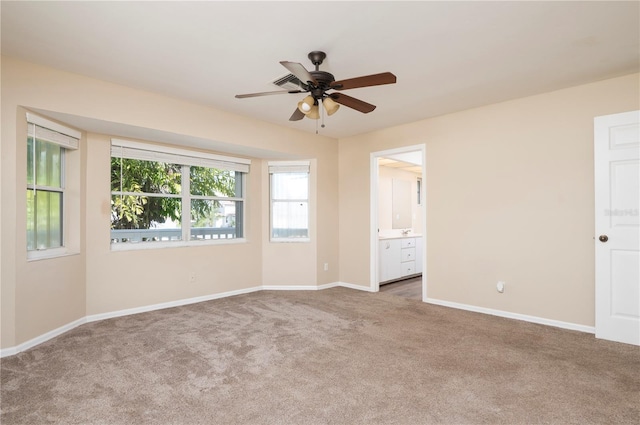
(289, 167)
(69, 140)
(185, 158)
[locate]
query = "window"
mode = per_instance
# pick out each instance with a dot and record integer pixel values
(289, 183)
(47, 146)
(163, 194)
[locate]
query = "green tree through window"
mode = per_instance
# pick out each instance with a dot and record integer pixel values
(146, 194)
(44, 194)
(133, 176)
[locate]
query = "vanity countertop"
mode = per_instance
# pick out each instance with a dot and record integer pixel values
(410, 235)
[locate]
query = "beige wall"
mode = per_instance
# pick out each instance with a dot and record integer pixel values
(509, 196)
(43, 295)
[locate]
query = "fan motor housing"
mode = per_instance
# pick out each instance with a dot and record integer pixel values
(324, 80)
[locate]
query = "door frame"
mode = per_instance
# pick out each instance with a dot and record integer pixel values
(373, 209)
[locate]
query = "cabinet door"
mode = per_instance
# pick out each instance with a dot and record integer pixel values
(389, 260)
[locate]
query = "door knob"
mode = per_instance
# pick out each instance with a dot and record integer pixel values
(603, 238)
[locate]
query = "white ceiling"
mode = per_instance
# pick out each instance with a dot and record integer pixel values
(447, 56)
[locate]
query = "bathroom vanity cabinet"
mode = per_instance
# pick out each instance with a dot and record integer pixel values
(399, 258)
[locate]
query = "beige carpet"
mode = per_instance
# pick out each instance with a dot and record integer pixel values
(336, 356)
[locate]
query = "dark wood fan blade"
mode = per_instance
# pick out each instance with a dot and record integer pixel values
(366, 81)
(297, 115)
(299, 71)
(266, 93)
(352, 102)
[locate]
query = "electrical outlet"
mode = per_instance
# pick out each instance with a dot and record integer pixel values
(326, 267)
(500, 286)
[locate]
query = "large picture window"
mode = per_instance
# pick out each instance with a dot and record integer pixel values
(289, 184)
(47, 143)
(163, 194)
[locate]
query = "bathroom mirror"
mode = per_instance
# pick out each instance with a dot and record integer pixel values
(401, 204)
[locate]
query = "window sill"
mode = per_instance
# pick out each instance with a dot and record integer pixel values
(136, 246)
(48, 254)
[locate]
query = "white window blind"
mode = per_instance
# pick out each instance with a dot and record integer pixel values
(288, 167)
(52, 132)
(158, 153)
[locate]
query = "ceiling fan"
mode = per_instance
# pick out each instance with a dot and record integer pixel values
(317, 83)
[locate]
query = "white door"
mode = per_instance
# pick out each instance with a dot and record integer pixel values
(617, 239)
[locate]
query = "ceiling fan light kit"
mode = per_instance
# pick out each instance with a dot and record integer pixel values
(314, 113)
(330, 105)
(317, 83)
(310, 107)
(306, 104)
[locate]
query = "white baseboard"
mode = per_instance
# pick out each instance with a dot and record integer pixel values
(328, 285)
(301, 287)
(314, 287)
(6, 352)
(153, 307)
(42, 338)
(357, 287)
(516, 316)
(291, 287)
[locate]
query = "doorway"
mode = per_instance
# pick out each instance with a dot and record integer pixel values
(396, 223)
